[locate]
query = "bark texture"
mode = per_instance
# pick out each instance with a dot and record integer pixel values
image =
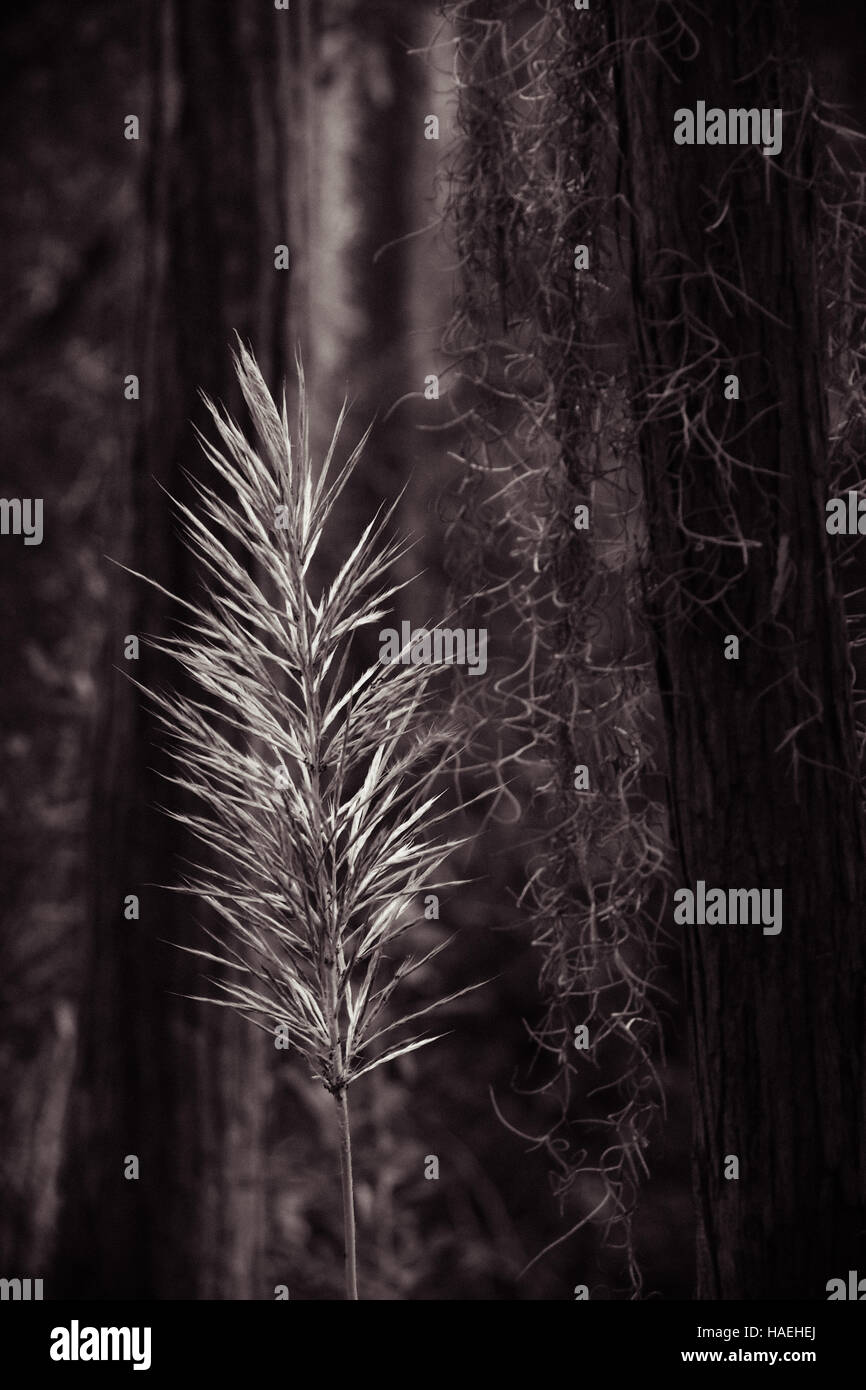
(763, 757)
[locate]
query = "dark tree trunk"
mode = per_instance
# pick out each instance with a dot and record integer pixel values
(369, 129)
(763, 758)
(179, 1084)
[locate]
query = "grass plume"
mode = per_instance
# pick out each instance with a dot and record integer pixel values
(311, 788)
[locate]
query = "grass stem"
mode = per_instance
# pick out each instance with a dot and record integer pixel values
(348, 1193)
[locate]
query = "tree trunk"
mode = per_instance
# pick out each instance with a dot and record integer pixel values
(181, 1085)
(763, 758)
(369, 132)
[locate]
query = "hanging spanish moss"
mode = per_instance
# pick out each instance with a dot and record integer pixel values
(546, 537)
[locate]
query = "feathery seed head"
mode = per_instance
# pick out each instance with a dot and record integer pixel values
(312, 787)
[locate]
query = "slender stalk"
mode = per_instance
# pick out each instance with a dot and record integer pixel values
(348, 1193)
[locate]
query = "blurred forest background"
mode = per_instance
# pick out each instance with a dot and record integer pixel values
(142, 257)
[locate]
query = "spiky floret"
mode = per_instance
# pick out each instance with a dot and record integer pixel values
(313, 789)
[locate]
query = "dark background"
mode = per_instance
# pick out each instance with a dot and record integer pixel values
(121, 257)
